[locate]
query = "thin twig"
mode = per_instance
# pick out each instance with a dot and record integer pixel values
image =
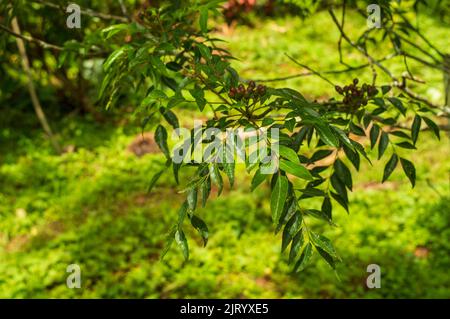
(43, 44)
(349, 69)
(396, 83)
(310, 69)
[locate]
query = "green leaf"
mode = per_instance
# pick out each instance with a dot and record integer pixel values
(278, 198)
(201, 227)
(154, 180)
(182, 243)
(374, 133)
(161, 140)
(338, 198)
(289, 154)
(406, 145)
(353, 156)
(355, 129)
(292, 226)
(229, 164)
(182, 213)
(290, 207)
(154, 95)
(415, 128)
(382, 145)
(297, 243)
(343, 173)
(204, 51)
(295, 169)
(432, 126)
(327, 257)
(320, 154)
(326, 134)
(323, 243)
(258, 178)
(409, 170)
(170, 117)
(343, 137)
(390, 166)
(199, 96)
(304, 258)
(399, 134)
(113, 29)
(216, 177)
(339, 186)
(192, 199)
(113, 57)
(319, 215)
(205, 190)
(398, 104)
(204, 19)
(168, 242)
(327, 208)
(176, 168)
(385, 89)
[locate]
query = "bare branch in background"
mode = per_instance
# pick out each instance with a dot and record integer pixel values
(32, 90)
(87, 12)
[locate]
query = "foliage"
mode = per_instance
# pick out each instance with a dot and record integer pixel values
(170, 59)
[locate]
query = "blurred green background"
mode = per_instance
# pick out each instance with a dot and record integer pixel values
(89, 206)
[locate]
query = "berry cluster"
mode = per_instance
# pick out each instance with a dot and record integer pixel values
(355, 96)
(252, 92)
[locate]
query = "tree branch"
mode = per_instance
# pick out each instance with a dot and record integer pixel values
(43, 44)
(34, 98)
(87, 12)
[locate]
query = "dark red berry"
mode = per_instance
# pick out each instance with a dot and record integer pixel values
(355, 81)
(241, 89)
(232, 92)
(261, 89)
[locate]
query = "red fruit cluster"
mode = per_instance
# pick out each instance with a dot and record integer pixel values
(251, 92)
(355, 96)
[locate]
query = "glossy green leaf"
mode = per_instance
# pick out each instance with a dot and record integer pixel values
(343, 173)
(205, 190)
(398, 104)
(324, 243)
(406, 145)
(353, 156)
(374, 133)
(201, 227)
(291, 228)
(192, 199)
(161, 140)
(258, 178)
(154, 180)
(297, 244)
(216, 177)
(182, 243)
(415, 128)
(170, 117)
(383, 144)
(295, 169)
(409, 170)
(432, 126)
(327, 207)
(390, 166)
(304, 258)
(326, 134)
(289, 154)
(278, 198)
